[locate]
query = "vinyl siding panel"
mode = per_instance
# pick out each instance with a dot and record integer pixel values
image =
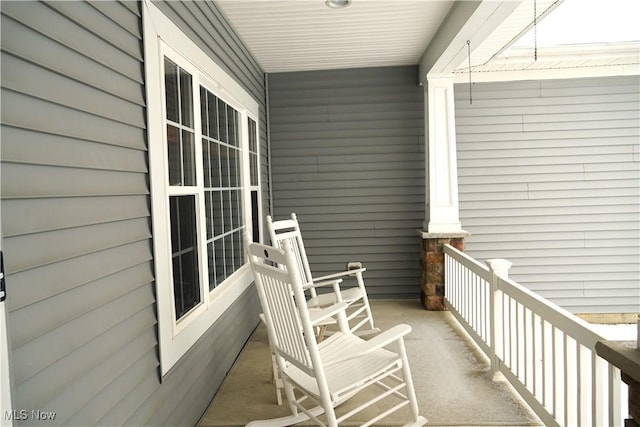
(348, 158)
(549, 178)
(76, 224)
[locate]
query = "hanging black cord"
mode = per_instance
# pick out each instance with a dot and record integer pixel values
(469, 56)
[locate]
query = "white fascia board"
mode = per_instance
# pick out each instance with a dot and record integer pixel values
(468, 20)
(548, 74)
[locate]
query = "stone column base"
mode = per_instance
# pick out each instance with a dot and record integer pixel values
(432, 266)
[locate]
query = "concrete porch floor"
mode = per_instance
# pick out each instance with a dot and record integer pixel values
(451, 377)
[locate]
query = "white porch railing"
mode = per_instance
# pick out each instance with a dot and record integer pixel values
(546, 353)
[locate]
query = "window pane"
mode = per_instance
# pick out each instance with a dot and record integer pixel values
(184, 254)
(219, 251)
(212, 105)
(214, 156)
(253, 160)
(226, 203)
(234, 167)
(217, 212)
(222, 121)
(224, 166)
(211, 256)
(186, 99)
(236, 209)
(206, 162)
(253, 146)
(173, 153)
(228, 253)
(189, 158)
(171, 90)
(204, 122)
(231, 125)
(208, 206)
(254, 216)
(238, 250)
(253, 153)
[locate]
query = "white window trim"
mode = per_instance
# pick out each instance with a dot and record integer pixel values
(176, 338)
(5, 368)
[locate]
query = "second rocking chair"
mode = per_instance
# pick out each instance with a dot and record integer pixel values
(359, 314)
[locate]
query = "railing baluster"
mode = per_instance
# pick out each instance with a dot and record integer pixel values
(472, 302)
(579, 391)
(518, 333)
(481, 309)
(525, 342)
(544, 362)
(594, 388)
(506, 304)
(536, 345)
(554, 352)
(565, 387)
(601, 405)
(511, 337)
(614, 397)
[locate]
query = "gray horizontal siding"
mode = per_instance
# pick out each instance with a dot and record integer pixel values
(76, 221)
(75, 203)
(348, 158)
(549, 178)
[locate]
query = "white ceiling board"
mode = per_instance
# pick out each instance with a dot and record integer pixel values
(296, 35)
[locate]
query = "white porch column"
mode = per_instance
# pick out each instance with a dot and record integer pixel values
(441, 174)
(467, 21)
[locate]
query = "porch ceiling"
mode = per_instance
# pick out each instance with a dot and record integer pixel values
(299, 35)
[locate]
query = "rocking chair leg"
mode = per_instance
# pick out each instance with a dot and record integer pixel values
(287, 421)
(417, 423)
(411, 394)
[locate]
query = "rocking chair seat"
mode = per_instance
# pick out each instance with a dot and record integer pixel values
(351, 373)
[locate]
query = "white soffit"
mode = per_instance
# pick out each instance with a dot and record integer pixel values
(297, 35)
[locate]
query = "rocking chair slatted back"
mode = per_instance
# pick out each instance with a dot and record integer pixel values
(289, 231)
(276, 287)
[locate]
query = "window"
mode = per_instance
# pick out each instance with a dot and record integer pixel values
(203, 151)
(181, 171)
(253, 172)
(221, 154)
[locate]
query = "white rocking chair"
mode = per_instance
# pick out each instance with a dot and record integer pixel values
(318, 377)
(359, 314)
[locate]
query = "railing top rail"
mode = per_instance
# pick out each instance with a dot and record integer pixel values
(555, 315)
(575, 327)
(472, 264)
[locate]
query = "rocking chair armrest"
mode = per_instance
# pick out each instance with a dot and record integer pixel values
(341, 274)
(386, 337)
(317, 317)
(318, 284)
